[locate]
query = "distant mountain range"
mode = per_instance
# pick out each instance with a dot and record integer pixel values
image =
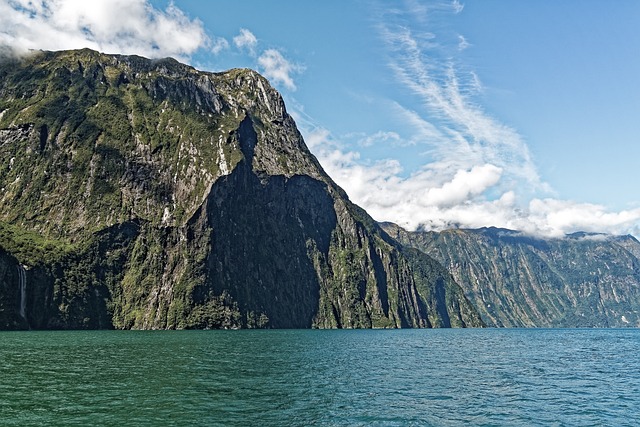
(140, 194)
(514, 280)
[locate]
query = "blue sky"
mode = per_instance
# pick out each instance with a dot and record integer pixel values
(433, 114)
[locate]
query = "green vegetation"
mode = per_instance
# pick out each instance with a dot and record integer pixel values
(30, 248)
(147, 195)
(521, 281)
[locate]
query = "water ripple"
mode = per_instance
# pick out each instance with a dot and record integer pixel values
(330, 378)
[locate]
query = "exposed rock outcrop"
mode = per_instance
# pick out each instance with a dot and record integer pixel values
(149, 195)
(581, 280)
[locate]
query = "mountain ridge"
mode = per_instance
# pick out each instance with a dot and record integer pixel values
(145, 194)
(517, 280)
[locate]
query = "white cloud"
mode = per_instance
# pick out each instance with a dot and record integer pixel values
(246, 40)
(434, 199)
(116, 26)
(473, 137)
(464, 184)
(462, 42)
(477, 172)
(277, 68)
(556, 217)
(381, 189)
(273, 65)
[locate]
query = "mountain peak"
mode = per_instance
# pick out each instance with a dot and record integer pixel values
(154, 195)
(100, 124)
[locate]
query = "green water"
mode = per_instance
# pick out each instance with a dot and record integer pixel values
(273, 378)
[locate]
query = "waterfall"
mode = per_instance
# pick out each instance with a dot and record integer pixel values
(22, 276)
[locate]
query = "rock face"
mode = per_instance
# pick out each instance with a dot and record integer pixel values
(146, 194)
(581, 280)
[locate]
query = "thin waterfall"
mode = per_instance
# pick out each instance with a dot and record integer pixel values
(22, 276)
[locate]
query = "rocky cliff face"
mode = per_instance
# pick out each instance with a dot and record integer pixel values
(582, 280)
(147, 194)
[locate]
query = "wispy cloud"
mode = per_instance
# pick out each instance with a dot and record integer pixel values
(457, 6)
(477, 171)
(462, 42)
(116, 26)
(448, 100)
(380, 137)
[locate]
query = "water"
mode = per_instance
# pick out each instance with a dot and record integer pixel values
(368, 377)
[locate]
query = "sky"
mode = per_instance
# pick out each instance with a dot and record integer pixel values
(430, 114)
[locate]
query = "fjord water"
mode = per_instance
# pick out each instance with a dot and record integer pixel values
(311, 377)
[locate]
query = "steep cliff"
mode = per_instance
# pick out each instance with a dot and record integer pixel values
(147, 194)
(581, 280)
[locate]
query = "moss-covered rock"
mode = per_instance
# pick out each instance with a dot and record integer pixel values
(149, 195)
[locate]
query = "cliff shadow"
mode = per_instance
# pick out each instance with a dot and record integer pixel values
(265, 232)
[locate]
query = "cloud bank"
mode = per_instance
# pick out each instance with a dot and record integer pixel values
(116, 26)
(432, 199)
(128, 27)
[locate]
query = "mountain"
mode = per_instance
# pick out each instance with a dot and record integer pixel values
(140, 194)
(514, 280)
